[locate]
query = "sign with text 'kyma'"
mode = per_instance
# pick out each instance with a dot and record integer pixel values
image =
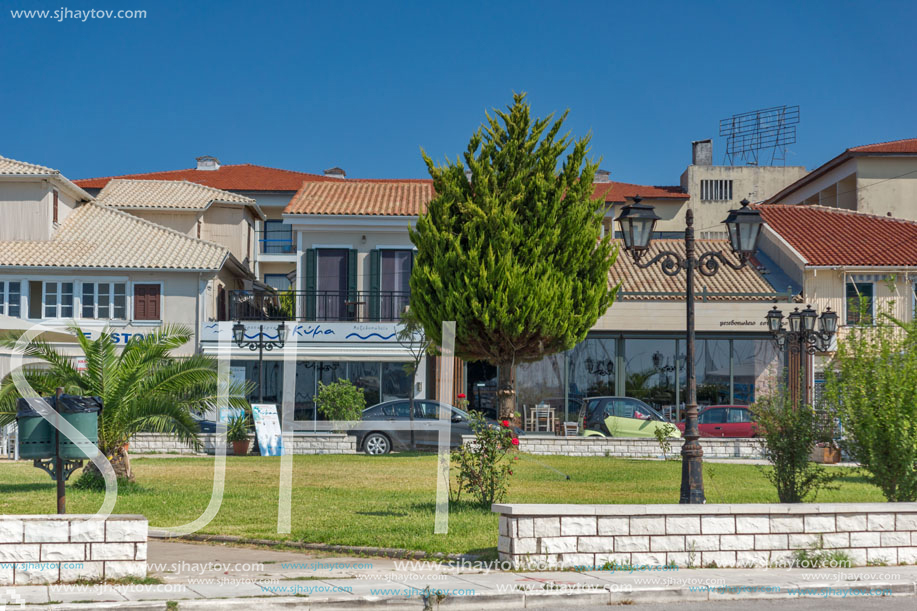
(267, 428)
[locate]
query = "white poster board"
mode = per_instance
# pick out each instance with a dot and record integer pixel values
(267, 428)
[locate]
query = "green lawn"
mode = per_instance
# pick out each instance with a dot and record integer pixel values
(385, 501)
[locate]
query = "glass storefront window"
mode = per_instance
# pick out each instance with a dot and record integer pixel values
(541, 382)
(711, 366)
(365, 376)
(652, 366)
(591, 368)
(396, 382)
(756, 369)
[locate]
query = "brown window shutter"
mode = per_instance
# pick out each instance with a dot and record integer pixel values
(54, 207)
(146, 302)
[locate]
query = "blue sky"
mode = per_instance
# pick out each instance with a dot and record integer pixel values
(363, 85)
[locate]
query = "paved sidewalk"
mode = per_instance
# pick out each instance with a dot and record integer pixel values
(208, 577)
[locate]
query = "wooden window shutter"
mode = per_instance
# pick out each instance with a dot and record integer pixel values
(54, 206)
(375, 282)
(352, 274)
(147, 302)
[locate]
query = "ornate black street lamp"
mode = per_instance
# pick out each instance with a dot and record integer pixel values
(637, 223)
(803, 339)
(260, 344)
(802, 335)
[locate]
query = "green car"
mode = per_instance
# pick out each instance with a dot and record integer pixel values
(620, 417)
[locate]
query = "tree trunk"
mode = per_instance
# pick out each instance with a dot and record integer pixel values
(120, 462)
(506, 393)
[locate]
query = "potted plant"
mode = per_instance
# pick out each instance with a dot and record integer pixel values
(237, 432)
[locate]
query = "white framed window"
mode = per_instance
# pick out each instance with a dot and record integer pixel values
(860, 302)
(104, 300)
(57, 298)
(11, 298)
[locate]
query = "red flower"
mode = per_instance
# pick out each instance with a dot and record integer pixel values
(510, 472)
(461, 395)
(515, 441)
(505, 423)
(515, 458)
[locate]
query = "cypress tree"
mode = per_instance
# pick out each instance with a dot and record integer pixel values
(513, 251)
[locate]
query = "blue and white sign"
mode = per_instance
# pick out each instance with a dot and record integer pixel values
(267, 428)
(312, 332)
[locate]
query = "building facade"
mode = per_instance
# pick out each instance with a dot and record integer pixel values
(81, 263)
(878, 179)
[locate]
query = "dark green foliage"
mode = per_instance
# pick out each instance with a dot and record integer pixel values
(515, 255)
(788, 435)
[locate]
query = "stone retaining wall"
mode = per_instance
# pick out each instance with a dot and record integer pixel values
(323, 443)
(704, 535)
(631, 447)
(39, 549)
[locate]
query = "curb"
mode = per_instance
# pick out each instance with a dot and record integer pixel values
(384, 552)
(485, 601)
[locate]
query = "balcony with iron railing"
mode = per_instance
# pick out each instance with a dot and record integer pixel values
(351, 306)
(276, 242)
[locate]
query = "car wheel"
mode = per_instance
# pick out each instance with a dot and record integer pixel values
(377, 444)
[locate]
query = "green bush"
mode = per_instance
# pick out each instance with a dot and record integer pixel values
(872, 386)
(483, 465)
(340, 400)
(788, 435)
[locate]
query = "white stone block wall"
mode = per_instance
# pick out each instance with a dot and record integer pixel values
(323, 443)
(632, 447)
(759, 535)
(40, 549)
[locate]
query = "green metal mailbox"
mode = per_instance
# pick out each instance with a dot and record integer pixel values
(36, 435)
(83, 414)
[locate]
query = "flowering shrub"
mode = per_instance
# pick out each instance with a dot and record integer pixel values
(483, 465)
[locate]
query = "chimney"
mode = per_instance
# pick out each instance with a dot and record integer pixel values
(208, 162)
(335, 173)
(702, 152)
(602, 176)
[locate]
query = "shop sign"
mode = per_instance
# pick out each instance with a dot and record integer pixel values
(311, 332)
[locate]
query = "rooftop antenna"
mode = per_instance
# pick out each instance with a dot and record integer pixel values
(760, 137)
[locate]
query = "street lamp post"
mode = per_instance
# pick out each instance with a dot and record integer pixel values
(260, 344)
(801, 337)
(637, 223)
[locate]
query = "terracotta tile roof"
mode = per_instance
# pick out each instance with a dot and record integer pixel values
(240, 177)
(362, 197)
(908, 145)
(127, 194)
(95, 236)
(829, 236)
(616, 192)
(654, 280)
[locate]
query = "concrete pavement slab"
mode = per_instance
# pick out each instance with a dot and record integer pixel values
(166, 591)
(31, 595)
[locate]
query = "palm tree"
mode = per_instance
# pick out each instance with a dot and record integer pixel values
(142, 386)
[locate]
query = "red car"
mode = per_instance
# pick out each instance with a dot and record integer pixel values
(724, 421)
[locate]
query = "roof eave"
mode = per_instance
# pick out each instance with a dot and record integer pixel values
(65, 183)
